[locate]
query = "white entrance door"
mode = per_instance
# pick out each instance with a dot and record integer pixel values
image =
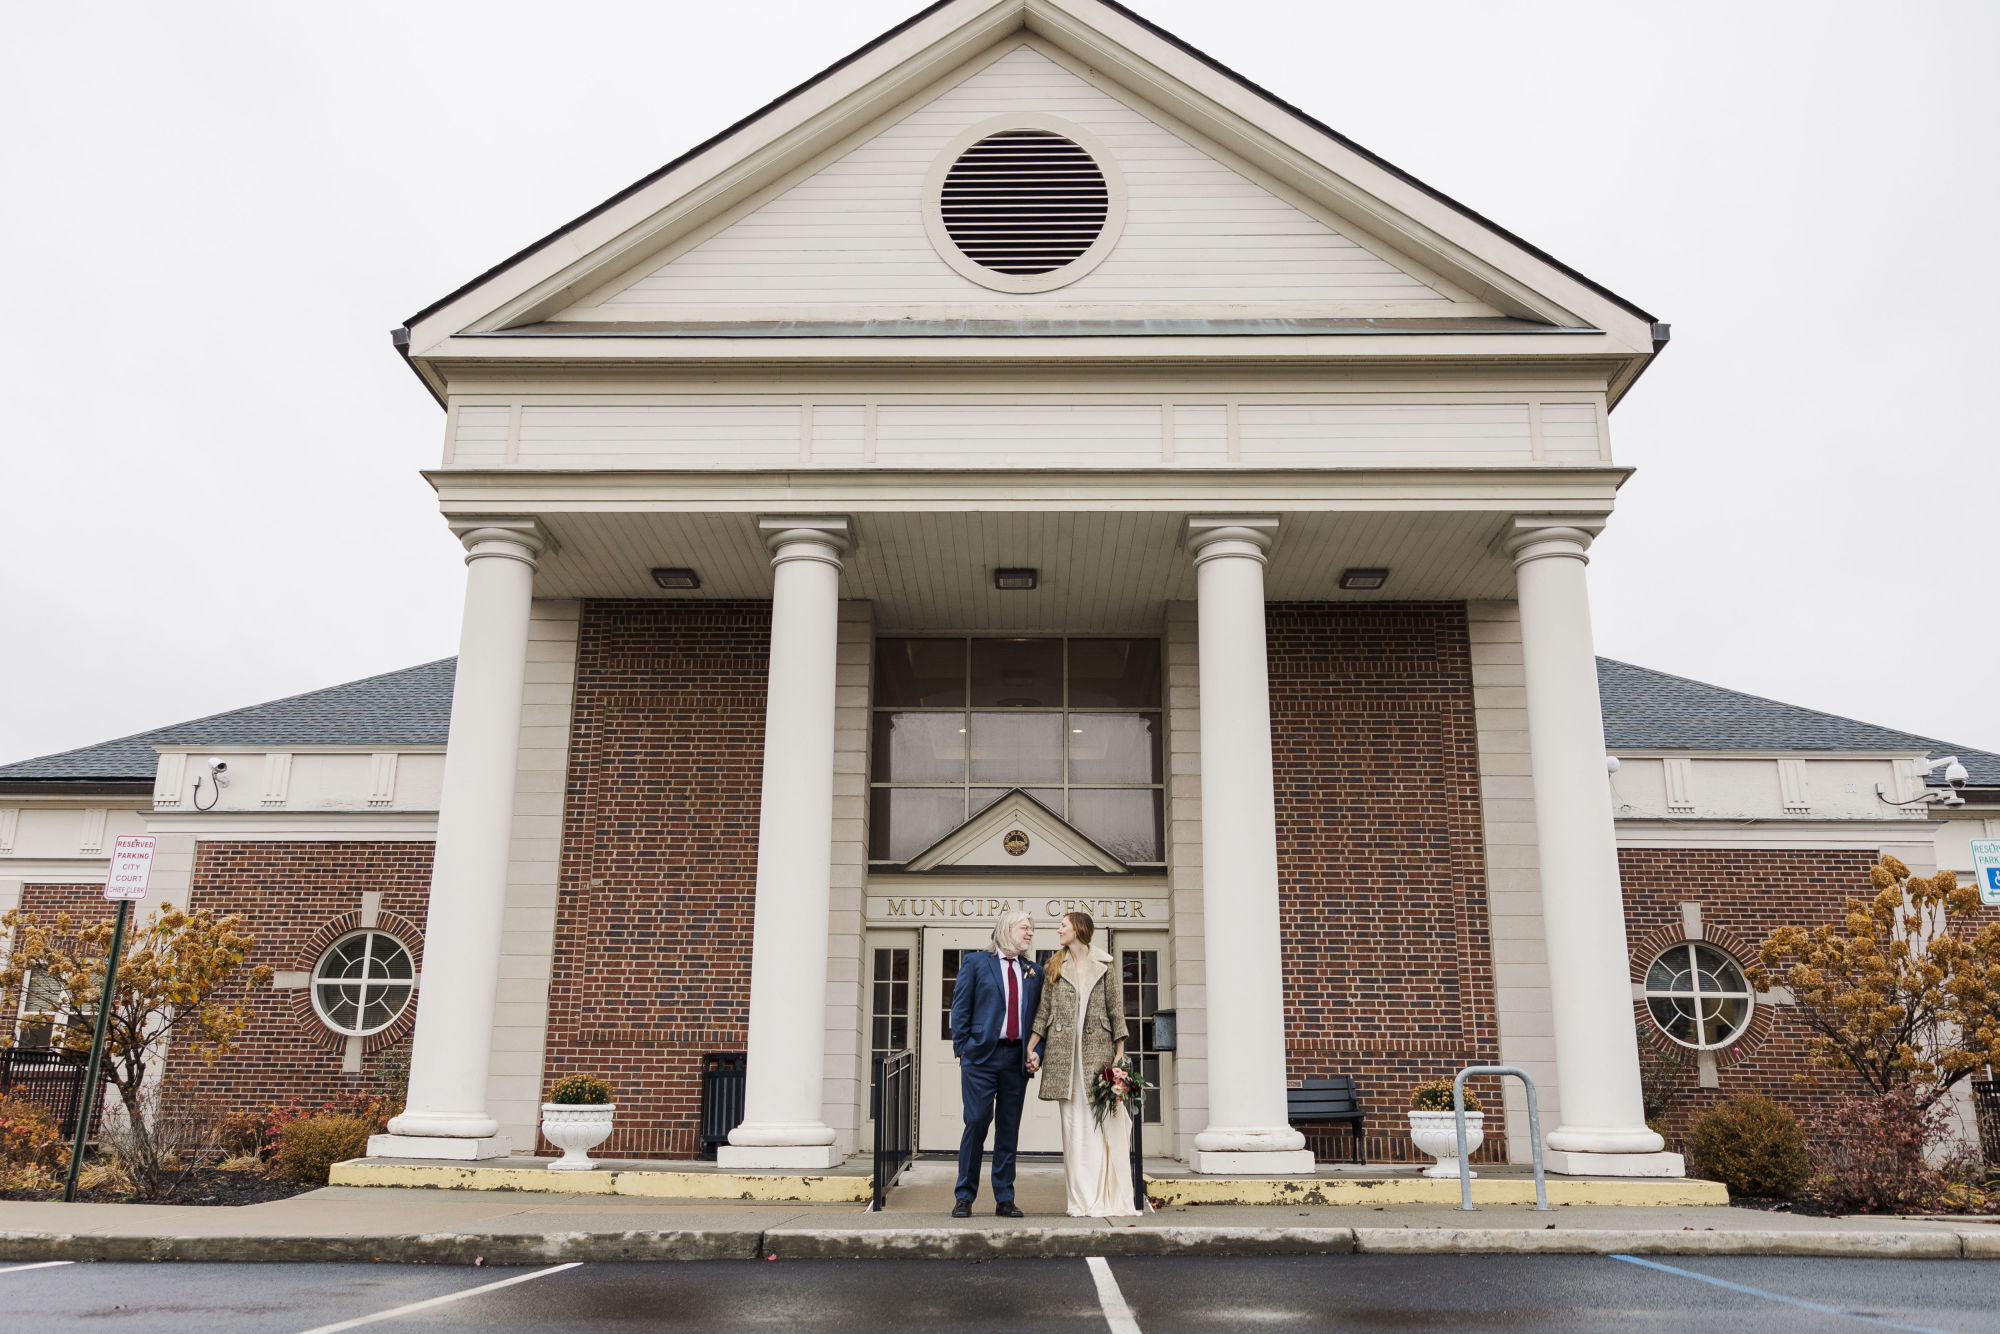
(941, 1113)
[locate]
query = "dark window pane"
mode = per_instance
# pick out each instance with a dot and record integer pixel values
(1114, 673)
(899, 1033)
(921, 673)
(903, 821)
(902, 965)
(882, 965)
(1051, 797)
(919, 748)
(1017, 748)
(1016, 673)
(1126, 823)
(1114, 748)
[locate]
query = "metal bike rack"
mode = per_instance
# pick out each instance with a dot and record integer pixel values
(1534, 1131)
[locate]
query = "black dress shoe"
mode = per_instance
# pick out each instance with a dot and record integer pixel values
(961, 1209)
(1008, 1209)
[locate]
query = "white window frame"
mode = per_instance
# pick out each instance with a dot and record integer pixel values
(316, 981)
(1697, 995)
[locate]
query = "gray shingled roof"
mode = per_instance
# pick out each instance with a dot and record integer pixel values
(411, 707)
(1643, 710)
(1649, 710)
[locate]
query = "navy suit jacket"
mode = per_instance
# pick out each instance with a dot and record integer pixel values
(979, 1005)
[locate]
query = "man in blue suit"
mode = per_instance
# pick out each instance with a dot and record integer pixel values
(992, 1005)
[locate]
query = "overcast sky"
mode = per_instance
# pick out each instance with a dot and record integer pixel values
(210, 492)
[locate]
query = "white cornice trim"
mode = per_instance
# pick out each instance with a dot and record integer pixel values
(1503, 491)
(357, 749)
(56, 870)
(304, 826)
(1805, 835)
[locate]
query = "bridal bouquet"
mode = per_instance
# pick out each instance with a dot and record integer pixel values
(1116, 1085)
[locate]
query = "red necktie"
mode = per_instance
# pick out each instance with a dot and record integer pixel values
(1010, 1033)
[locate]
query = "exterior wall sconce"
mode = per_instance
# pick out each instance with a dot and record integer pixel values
(1363, 580)
(677, 578)
(1016, 580)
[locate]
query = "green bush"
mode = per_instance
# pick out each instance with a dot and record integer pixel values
(311, 1145)
(1751, 1145)
(1434, 1095)
(587, 1090)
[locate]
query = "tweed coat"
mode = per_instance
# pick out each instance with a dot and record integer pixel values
(1056, 1020)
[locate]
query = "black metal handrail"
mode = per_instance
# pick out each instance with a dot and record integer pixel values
(892, 1102)
(1986, 1104)
(50, 1079)
(1139, 1201)
(722, 1076)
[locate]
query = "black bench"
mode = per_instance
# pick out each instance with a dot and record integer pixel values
(1329, 1101)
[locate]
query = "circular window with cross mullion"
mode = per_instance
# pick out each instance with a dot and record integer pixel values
(363, 983)
(1698, 996)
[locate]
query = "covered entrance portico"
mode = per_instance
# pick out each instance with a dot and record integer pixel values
(1221, 910)
(1336, 444)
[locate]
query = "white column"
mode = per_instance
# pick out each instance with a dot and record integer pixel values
(783, 1124)
(446, 1116)
(1603, 1130)
(1247, 1129)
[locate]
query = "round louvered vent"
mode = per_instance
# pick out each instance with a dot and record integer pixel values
(1024, 202)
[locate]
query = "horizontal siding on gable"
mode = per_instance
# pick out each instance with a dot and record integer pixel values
(479, 436)
(853, 233)
(1569, 433)
(1027, 435)
(1365, 433)
(663, 437)
(1038, 431)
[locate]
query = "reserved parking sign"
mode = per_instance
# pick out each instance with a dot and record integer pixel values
(131, 867)
(1986, 869)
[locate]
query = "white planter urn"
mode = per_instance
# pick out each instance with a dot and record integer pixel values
(576, 1128)
(1436, 1133)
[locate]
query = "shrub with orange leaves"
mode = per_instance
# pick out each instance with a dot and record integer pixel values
(175, 965)
(1897, 991)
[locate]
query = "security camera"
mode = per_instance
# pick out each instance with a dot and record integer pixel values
(1954, 772)
(218, 766)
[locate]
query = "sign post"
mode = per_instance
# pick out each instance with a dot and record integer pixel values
(1986, 869)
(131, 872)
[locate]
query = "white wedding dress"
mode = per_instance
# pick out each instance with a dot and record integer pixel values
(1097, 1159)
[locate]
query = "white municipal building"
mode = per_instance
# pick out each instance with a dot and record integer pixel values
(1027, 464)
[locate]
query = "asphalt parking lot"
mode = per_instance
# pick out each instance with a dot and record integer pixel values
(1157, 1296)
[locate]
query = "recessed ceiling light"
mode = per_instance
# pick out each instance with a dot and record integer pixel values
(1361, 580)
(1015, 580)
(677, 578)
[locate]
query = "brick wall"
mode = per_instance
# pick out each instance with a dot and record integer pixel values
(296, 899)
(1382, 895)
(1744, 894)
(659, 860)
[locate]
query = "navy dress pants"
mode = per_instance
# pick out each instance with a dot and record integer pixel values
(992, 1089)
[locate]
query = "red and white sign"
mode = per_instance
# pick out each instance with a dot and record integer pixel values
(131, 867)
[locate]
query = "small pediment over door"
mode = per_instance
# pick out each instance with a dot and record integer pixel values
(1017, 833)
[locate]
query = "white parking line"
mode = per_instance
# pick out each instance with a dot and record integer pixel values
(393, 1312)
(40, 1264)
(1773, 1296)
(1116, 1313)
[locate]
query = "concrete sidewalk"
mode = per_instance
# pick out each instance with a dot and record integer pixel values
(350, 1223)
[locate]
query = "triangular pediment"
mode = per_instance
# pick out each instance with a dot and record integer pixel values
(1016, 833)
(807, 219)
(1193, 233)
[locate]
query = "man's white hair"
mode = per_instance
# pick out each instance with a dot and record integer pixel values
(1003, 930)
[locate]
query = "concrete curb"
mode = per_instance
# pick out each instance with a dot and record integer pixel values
(460, 1248)
(444, 1248)
(1579, 1241)
(1051, 1243)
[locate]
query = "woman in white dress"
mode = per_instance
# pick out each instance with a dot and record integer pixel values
(1080, 1029)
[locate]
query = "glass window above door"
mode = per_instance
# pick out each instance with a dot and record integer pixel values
(1075, 721)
